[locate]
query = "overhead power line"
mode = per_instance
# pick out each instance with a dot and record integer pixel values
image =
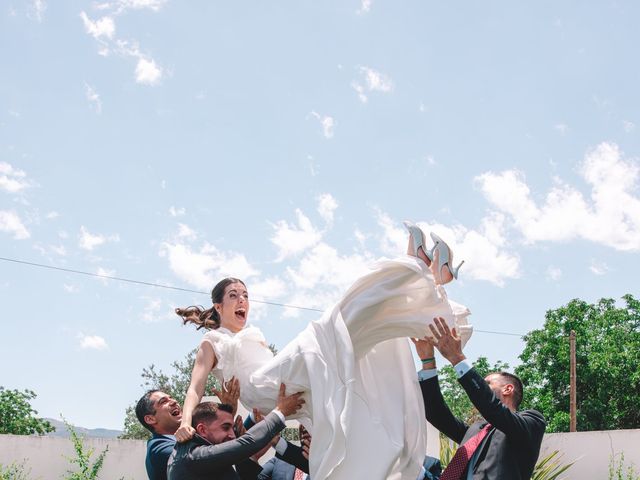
(182, 289)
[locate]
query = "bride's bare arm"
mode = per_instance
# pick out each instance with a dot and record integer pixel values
(205, 361)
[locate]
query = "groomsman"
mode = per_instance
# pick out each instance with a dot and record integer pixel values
(215, 452)
(506, 442)
(161, 415)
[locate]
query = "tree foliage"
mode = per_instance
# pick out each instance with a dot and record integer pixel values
(85, 468)
(16, 415)
(455, 396)
(175, 385)
(607, 359)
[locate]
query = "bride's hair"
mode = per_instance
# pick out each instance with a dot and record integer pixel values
(209, 318)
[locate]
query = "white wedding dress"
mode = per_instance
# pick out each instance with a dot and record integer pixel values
(363, 407)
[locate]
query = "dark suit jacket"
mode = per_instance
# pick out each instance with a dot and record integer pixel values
(512, 447)
(199, 460)
(159, 448)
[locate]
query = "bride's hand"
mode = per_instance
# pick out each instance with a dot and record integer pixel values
(185, 433)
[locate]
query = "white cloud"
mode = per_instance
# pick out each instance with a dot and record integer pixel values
(293, 239)
(628, 126)
(37, 9)
(565, 214)
(69, 288)
(326, 122)
(92, 342)
(365, 6)
(176, 212)
(103, 272)
(11, 223)
(327, 205)
(89, 241)
(59, 250)
(203, 267)
(119, 7)
(156, 310)
(147, 72)
(94, 99)
(598, 268)
(52, 215)
(374, 81)
(11, 179)
(562, 128)
(184, 231)
(360, 91)
(104, 27)
(554, 273)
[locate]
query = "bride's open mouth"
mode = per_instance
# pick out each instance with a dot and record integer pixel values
(242, 313)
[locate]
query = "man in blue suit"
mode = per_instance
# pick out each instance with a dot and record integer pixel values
(161, 415)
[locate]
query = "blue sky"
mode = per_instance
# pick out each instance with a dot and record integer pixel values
(284, 143)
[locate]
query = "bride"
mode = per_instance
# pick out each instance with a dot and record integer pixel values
(363, 406)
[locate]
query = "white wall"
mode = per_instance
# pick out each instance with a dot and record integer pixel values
(593, 451)
(46, 455)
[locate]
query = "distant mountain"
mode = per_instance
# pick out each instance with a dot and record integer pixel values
(62, 431)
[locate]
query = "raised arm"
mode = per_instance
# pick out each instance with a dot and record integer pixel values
(528, 426)
(205, 361)
(436, 410)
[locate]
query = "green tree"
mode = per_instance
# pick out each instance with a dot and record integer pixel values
(175, 385)
(16, 415)
(455, 396)
(607, 359)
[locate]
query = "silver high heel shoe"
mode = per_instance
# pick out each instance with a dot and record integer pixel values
(419, 240)
(445, 256)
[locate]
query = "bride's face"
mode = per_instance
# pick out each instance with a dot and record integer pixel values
(234, 308)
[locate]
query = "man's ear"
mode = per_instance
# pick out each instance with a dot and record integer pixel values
(201, 429)
(507, 389)
(150, 419)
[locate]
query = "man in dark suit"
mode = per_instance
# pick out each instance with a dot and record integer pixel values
(506, 443)
(161, 415)
(215, 452)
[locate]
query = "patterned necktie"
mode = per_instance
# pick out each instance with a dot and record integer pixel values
(299, 475)
(460, 460)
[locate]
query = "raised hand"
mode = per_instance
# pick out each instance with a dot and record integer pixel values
(305, 440)
(424, 347)
(230, 393)
(289, 404)
(238, 426)
(448, 342)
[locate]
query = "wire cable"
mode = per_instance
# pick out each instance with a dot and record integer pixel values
(189, 290)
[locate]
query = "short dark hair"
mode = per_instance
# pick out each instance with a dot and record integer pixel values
(208, 412)
(145, 406)
(518, 389)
